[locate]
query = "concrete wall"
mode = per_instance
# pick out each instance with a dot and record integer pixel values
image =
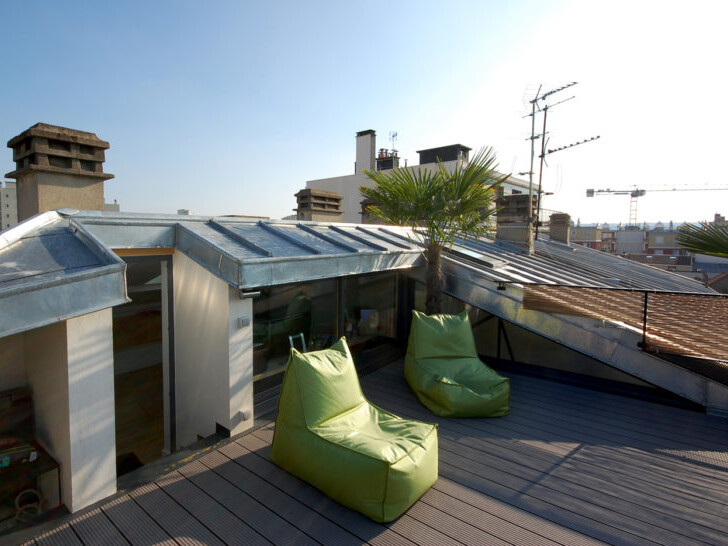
(12, 362)
(213, 357)
(70, 370)
(41, 191)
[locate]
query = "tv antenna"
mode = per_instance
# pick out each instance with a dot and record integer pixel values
(393, 140)
(540, 105)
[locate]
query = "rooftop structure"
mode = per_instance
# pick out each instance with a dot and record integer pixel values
(57, 167)
(368, 158)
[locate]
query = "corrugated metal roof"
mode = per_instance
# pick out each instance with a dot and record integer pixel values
(556, 263)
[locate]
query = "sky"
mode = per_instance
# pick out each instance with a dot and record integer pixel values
(229, 107)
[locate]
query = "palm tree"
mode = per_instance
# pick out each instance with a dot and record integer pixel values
(704, 238)
(440, 206)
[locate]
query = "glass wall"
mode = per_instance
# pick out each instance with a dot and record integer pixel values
(299, 315)
(370, 310)
(314, 315)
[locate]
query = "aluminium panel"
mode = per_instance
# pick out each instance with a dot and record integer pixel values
(309, 239)
(266, 239)
(56, 251)
(343, 238)
(73, 296)
(273, 272)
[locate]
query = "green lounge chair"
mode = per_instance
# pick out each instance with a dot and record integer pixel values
(329, 435)
(443, 369)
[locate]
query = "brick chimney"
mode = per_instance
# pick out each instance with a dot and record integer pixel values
(56, 167)
(512, 223)
(560, 227)
(318, 205)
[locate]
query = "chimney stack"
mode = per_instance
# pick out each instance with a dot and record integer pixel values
(366, 144)
(318, 205)
(512, 220)
(560, 227)
(57, 167)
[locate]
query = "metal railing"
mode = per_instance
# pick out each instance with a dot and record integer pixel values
(675, 323)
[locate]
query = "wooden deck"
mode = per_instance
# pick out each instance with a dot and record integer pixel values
(567, 466)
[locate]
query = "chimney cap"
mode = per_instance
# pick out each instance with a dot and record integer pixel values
(57, 132)
(367, 132)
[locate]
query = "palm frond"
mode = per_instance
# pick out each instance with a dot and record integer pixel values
(704, 238)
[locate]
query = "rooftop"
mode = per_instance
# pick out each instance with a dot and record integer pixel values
(567, 466)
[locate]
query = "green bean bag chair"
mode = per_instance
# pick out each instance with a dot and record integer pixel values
(443, 369)
(329, 435)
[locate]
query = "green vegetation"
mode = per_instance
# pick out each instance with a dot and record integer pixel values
(704, 238)
(440, 206)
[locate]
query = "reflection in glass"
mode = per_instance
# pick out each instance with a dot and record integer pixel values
(290, 315)
(370, 310)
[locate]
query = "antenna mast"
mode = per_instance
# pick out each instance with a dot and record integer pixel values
(536, 108)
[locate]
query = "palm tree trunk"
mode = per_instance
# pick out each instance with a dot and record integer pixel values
(435, 280)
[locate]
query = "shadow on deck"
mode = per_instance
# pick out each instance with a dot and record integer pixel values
(567, 466)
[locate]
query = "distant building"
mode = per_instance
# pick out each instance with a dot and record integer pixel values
(368, 158)
(589, 236)
(185, 212)
(112, 207)
(8, 205)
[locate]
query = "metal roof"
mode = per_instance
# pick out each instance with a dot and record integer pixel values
(52, 269)
(66, 257)
(556, 263)
(249, 253)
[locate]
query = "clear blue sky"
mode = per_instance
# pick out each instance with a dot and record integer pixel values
(229, 107)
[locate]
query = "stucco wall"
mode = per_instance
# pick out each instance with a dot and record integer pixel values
(71, 373)
(91, 407)
(46, 361)
(201, 349)
(213, 354)
(240, 351)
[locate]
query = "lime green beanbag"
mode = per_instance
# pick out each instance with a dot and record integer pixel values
(443, 369)
(329, 435)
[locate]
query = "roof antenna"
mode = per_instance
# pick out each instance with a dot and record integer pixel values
(393, 140)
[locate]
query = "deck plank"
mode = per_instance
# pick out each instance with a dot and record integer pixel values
(93, 527)
(62, 535)
(134, 523)
(229, 463)
(514, 426)
(568, 495)
(567, 467)
(628, 491)
(174, 519)
(245, 451)
(209, 511)
(263, 520)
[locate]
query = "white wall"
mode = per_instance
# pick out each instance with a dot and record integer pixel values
(348, 186)
(240, 379)
(213, 357)
(46, 361)
(70, 368)
(12, 362)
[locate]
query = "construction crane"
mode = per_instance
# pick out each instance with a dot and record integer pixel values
(636, 192)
